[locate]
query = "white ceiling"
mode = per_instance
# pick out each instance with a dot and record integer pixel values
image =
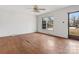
(27, 8)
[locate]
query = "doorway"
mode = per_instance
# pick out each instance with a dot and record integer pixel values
(73, 25)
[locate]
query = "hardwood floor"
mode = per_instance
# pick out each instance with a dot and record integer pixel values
(37, 43)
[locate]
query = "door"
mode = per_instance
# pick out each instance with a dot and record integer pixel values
(73, 25)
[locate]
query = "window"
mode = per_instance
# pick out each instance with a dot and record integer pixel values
(74, 19)
(47, 23)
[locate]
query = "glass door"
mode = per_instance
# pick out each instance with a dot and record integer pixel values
(74, 25)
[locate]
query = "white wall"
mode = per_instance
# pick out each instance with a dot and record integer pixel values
(60, 15)
(14, 23)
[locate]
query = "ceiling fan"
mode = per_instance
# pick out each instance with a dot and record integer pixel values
(35, 8)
